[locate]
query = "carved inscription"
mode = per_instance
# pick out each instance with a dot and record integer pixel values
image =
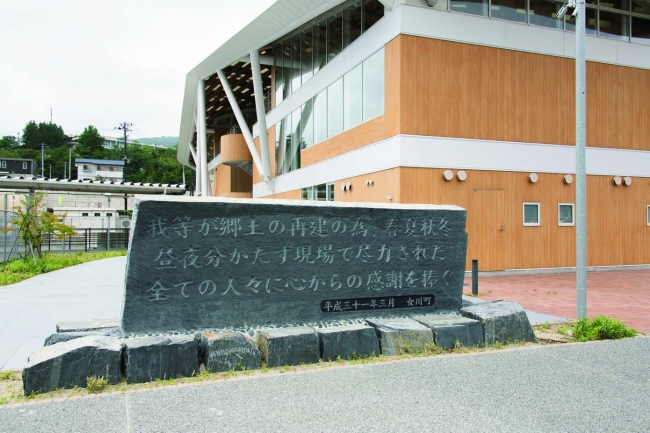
(242, 262)
(357, 304)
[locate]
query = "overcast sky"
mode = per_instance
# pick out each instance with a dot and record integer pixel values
(105, 62)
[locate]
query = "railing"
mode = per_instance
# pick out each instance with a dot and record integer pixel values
(86, 240)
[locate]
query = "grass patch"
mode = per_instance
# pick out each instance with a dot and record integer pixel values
(601, 328)
(23, 269)
(96, 384)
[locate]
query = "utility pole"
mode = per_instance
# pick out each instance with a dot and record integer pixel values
(42, 162)
(126, 128)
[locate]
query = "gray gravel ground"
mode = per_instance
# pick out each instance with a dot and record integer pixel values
(589, 387)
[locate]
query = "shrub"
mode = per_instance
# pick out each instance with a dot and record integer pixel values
(96, 384)
(601, 328)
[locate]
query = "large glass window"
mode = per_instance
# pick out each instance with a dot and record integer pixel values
(302, 54)
(334, 35)
(335, 108)
(373, 85)
(307, 125)
(640, 8)
(279, 85)
(623, 5)
(543, 13)
(351, 24)
(511, 10)
(474, 7)
(590, 22)
(295, 63)
(640, 30)
(296, 138)
(373, 10)
(614, 26)
(352, 98)
(307, 55)
(320, 46)
(320, 117)
(283, 153)
(322, 192)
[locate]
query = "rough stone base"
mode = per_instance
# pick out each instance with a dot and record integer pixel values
(68, 364)
(231, 351)
(502, 321)
(151, 358)
(67, 336)
(397, 334)
(289, 346)
(348, 342)
(88, 325)
(449, 328)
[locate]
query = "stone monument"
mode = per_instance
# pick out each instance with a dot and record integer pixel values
(214, 263)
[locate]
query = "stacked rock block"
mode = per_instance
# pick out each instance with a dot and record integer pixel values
(67, 364)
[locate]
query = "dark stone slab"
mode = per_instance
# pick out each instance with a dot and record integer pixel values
(225, 263)
(68, 364)
(397, 336)
(229, 351)
(449, 328)
(289, 346)
(502, 321)
(348, 342)
(67, 336)
(151, 358)
(88, 325)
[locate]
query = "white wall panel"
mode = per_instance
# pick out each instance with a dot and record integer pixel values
(432, 23)
(456, 153)
(537, 39)
(634, 54)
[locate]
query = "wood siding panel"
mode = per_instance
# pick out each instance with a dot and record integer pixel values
(384, 183)
(289, 195)
(234, 149)
(616, 234)
(470, 91)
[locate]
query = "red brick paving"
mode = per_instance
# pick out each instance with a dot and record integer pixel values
(621, 294)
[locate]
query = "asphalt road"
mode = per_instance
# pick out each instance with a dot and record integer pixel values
(588, 387)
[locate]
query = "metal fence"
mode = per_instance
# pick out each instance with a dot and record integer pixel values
(12, 245)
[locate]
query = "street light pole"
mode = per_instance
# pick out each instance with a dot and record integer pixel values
(581, 177)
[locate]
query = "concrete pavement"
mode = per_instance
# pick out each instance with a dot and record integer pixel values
(30, 310)
(586, 387)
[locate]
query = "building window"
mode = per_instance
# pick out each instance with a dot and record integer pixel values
(648, 216)
(97, 214)
(109, 214)
(85, 167)
(356, 97)
(4, 164)
(531, 214)
(641, 30)
(299, 56)
(84, 214)
(322, 192)
(24, 165)
(566, 214)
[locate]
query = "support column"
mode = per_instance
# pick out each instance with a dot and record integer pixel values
(242, 125)
(201, 138)
(197, 171)
(261, 112)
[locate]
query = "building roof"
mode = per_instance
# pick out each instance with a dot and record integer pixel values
(280, 18)
(4, 158)
(99, 161)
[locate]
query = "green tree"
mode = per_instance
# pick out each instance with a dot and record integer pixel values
(34, 222)
(90, 144)
(49, 134)
(9, 143)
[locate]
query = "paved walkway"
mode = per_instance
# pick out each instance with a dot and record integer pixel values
(620, 294)
(587, 387)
